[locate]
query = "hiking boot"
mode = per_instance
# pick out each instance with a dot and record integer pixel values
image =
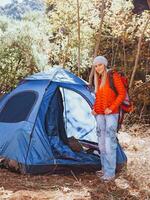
(99, 173)
(107, 178)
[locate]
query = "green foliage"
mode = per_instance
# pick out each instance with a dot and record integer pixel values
(38, 41)
(24, 48)
(63, 27)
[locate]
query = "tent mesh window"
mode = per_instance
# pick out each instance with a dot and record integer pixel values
(18, 107)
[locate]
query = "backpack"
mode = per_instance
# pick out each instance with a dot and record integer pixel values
(127, 105)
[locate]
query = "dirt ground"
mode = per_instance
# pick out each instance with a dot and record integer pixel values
(133, 183)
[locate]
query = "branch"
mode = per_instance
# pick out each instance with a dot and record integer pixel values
(138, 53)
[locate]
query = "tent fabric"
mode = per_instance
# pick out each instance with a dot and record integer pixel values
(59, 75)
(37, 139)
(14, 140)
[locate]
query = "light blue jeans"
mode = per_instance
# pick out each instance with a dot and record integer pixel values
(107, 141)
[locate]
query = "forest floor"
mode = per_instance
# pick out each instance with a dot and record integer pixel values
(132, 183)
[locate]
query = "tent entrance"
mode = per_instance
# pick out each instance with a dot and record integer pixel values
(68, 121)
(69, 114)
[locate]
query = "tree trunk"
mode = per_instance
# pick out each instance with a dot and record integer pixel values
(66, 51)
(116, 53)
(124, 55)
(79, 40)
(138, 53)
(98, 40)
(148, 2)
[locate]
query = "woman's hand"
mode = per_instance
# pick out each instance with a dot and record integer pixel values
(107, 111)
(93, 112)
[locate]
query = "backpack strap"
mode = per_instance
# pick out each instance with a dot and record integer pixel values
(111, 81)
(112, 86)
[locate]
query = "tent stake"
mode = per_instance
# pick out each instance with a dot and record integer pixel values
(74, 176)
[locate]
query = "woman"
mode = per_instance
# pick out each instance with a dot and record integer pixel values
(106, 111)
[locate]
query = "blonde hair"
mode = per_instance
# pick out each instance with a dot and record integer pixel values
(96, 79)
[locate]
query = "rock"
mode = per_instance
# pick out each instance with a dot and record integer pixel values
(124, 138)
(122, 183)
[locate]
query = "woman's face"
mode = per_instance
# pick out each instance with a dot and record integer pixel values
(100, 68)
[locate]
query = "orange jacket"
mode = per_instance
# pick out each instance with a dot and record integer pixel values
(106, 97)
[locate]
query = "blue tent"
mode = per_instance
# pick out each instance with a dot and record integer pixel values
(38, 117)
